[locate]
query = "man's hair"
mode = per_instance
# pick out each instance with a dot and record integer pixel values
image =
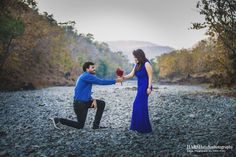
(86, 65)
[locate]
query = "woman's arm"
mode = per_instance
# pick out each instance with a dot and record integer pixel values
(150, 73)
(130, 75)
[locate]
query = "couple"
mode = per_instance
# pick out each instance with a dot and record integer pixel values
(83, 100)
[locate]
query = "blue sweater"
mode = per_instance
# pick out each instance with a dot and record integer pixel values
(84, 86)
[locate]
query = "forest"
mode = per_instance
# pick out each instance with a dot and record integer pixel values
(37, 51)
(212, 60)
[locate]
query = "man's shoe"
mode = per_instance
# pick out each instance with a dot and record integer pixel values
(56, 121)
(99, 127)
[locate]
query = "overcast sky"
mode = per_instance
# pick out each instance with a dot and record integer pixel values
(163, 22)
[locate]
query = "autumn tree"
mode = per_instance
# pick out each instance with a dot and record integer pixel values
(155, 68)
(220, 16)
(9, 30)
(11, 26)
(50, 18)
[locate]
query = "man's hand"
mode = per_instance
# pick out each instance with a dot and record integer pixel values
(94, 104)
(119, 79)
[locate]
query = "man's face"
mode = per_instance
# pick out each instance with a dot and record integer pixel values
(91, 69)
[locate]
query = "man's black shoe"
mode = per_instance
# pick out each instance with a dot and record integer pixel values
(99, 127)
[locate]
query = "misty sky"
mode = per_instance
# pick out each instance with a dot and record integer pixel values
(163, 22)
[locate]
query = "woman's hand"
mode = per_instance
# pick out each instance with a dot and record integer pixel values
(149, 91)
(119, 79)
(94, 104)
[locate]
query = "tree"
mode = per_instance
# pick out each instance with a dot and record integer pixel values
(69, 27)
(89, 37)
(102, 68)
(156, 71)
(50, 18)
(10, 28)
(220, 19)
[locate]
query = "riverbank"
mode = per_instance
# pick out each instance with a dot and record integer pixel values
(181, 116)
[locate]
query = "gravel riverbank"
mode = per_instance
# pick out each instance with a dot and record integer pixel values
(181, 117)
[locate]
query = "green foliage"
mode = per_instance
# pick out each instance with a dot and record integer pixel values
(220, 20)
(155, 68)
(89, 37)
(50, 18)
(207, 59)
(102, 69)
(69, 27)
(109, 61)
(44, 50)
(31, 3)
(7, 6)
(10, 28)
(81, 60)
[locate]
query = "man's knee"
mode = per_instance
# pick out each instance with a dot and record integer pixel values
(80, 126)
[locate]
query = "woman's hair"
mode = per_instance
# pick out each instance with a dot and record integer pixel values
(140, 55)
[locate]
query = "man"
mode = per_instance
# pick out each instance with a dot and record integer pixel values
(83, 100)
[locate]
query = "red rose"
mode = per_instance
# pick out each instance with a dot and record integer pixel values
(119, 72)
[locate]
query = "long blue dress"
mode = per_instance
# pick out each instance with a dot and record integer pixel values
(140, 118)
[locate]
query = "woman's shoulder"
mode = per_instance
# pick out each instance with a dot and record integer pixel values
(147, 63)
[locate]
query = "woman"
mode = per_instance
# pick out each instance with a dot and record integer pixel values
(143, 71)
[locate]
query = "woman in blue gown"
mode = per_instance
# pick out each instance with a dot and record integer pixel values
(143, 71)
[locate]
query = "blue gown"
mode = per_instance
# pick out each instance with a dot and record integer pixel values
(140, 118)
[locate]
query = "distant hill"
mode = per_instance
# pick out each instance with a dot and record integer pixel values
(47, 53)
(151, 50)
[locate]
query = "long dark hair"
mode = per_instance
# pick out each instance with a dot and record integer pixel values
(140, 55)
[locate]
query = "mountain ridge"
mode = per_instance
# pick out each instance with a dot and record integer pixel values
(127, 46)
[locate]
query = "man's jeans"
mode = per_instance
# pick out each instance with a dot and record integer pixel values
(81, 110)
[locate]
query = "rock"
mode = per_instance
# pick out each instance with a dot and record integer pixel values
(180, 115)
(3, 133)
(28, 86)
(191, 115)
(42, 104)
(3, 153)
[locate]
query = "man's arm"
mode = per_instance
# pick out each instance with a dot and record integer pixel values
(95, 80)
